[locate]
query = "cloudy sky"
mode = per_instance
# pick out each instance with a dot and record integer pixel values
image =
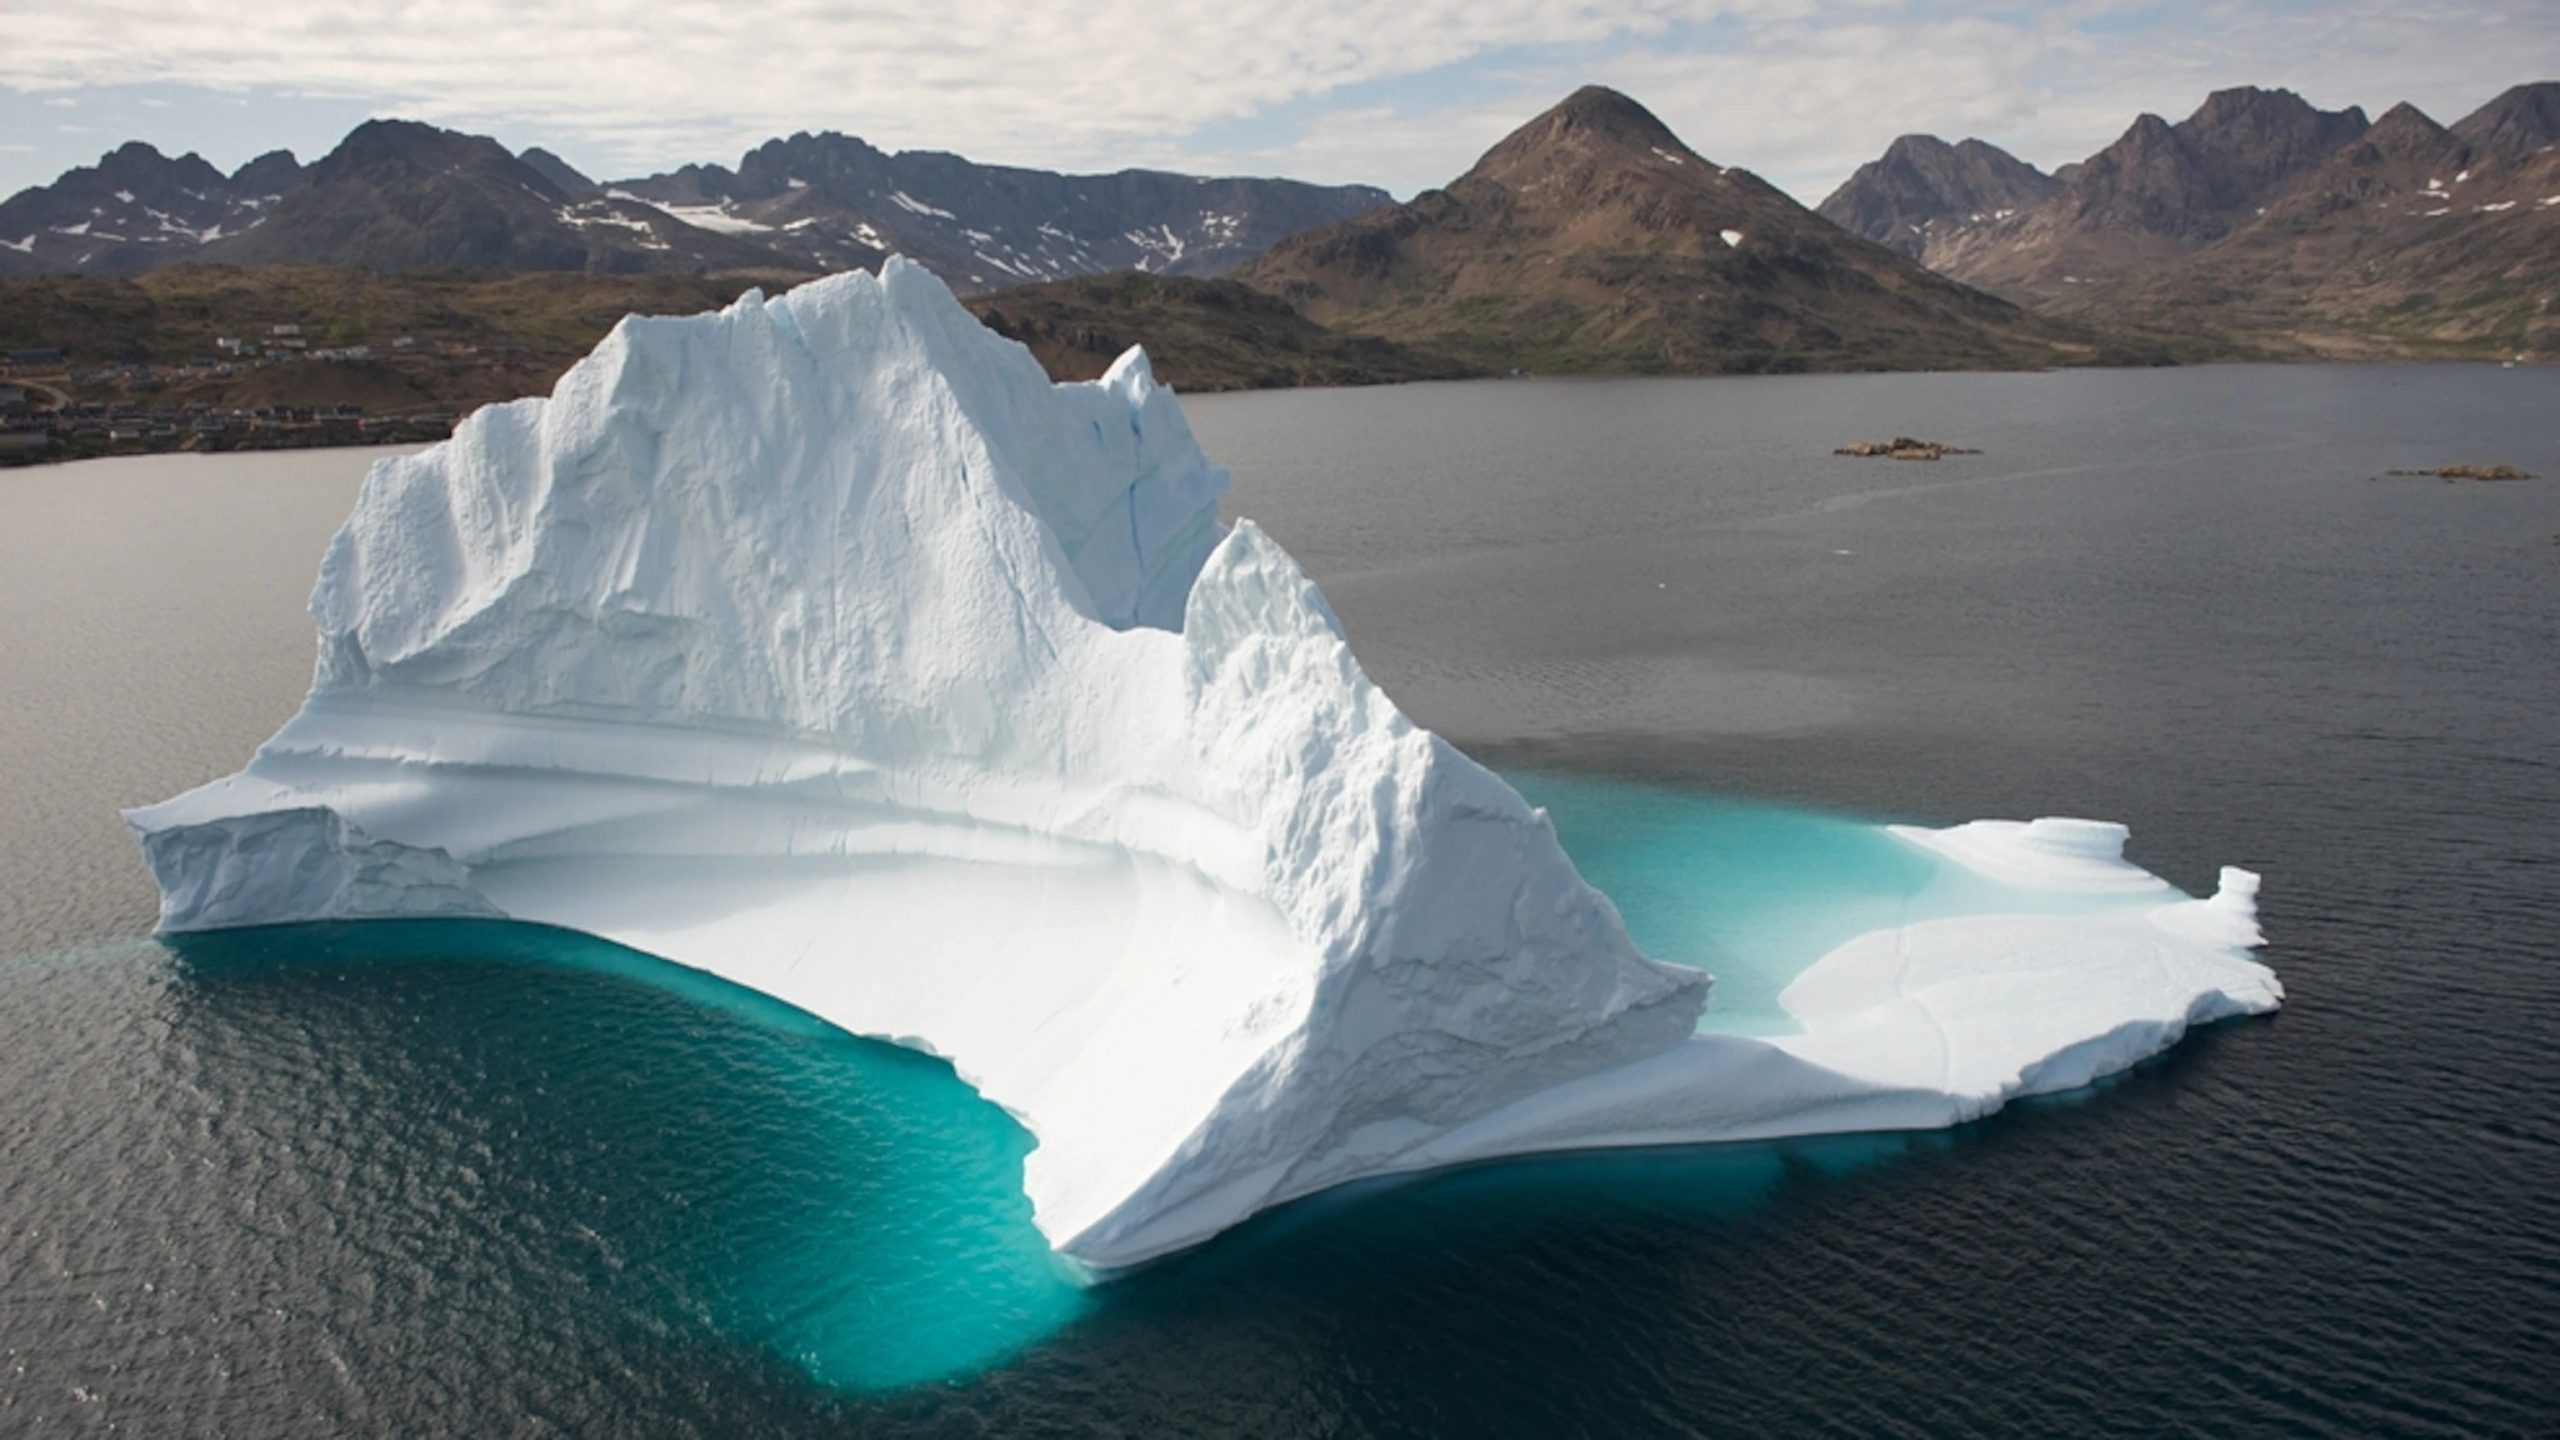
(1402, 93)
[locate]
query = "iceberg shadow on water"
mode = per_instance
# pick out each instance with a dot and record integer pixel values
(823, 645)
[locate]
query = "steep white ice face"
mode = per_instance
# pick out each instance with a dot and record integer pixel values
(823, 644)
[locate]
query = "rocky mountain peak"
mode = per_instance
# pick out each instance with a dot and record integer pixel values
(2252, 140)
(828, 160)
(1605, 111)
(2521, 121)
(389, 151)
(273, 173)
(2405, 129)
(1922, 188)
(1594, 124)
(140, 167)
(565, 177)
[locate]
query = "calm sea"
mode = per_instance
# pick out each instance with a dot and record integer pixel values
(479, 1179)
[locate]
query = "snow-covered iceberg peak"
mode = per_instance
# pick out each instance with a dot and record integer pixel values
(824, 644)
(811, 513)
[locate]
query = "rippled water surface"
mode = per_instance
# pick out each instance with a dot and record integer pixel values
(496, 1179)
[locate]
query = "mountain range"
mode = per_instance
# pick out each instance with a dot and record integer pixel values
(2260, 219)
(399, 196)
(830, 200)
(137, 208)
(1593, 238)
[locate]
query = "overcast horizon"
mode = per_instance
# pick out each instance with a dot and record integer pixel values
(1335, 91)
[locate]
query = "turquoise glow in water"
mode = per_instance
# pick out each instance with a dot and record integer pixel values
(849, 1206)
(855, 1209)
(1752, 892)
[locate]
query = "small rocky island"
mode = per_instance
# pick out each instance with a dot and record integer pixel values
(1903, 447)
(2467, 472)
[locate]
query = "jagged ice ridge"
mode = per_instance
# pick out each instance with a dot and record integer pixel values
(823, 644)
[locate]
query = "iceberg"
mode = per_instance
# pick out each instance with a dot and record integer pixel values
(822, 643)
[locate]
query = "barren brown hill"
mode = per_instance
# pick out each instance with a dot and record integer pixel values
(471, 338)
(1200, 334)
(1592, 239)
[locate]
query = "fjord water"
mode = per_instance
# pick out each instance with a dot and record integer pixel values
(489, 1178)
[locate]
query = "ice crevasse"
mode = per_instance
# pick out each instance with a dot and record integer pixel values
(823, 644)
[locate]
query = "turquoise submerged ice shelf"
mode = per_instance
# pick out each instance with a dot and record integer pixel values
(1754, 893)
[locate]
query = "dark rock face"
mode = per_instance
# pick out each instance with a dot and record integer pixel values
(2159, 192)
(563, 175)
(826, 197)
(2520, 122)
(2263, 225)
(134, 209)
(2407, 239)
(2192, 181)
(275, 173)
(1923, 184)
(2404, 151)
(1592, 238)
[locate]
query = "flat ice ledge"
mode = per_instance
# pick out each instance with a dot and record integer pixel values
(747, 857)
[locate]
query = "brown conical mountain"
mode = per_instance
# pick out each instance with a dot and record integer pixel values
(1591, 238)
(1584, 128)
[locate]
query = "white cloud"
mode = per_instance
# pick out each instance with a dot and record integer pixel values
(1058, 84)
(1405, 149)
(1803, 100)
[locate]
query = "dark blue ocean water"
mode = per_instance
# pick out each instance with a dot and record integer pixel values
(493, 1179)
